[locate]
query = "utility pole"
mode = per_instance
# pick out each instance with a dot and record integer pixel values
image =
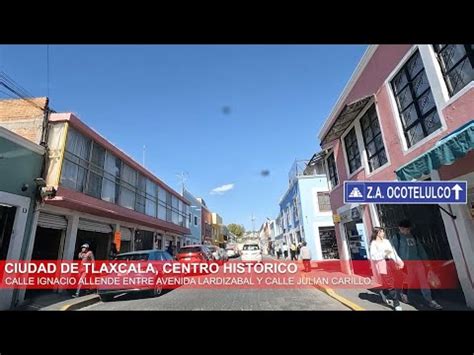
(144, 152)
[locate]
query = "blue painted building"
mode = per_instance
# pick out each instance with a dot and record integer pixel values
(305, 211)
(195, 220)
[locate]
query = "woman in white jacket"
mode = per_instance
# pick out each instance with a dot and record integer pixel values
(383, 255)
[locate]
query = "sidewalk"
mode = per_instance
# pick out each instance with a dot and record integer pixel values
(369, 299)
(58, 302)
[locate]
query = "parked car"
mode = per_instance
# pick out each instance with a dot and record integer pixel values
(232, 251)
(143, 255)
(194, 253)
(252, 253)
(223, 255)
(215, 252)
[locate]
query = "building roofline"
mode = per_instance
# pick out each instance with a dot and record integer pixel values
(369, 52)
(96, 136)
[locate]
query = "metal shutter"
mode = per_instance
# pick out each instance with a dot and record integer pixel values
(51, 221)
(92, 226)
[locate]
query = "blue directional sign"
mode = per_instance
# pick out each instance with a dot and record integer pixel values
(406, 192)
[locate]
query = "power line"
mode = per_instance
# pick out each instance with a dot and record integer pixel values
(12, 82)
(20, 92)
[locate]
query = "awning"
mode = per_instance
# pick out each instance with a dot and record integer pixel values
(345, 118)
(315, 159)
(452, 147)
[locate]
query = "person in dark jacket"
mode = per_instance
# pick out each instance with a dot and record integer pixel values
(410, 249)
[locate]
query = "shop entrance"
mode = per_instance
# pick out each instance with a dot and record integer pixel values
(46, 247)
(99, 243)
(358, 246)
(143, 240)
(427, 223)
(327, 237)
(428, 228)
(7, 218)
(47, 244)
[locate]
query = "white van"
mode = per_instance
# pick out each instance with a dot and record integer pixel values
(251, 252)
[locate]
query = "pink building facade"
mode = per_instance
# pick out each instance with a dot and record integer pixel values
(402, 102)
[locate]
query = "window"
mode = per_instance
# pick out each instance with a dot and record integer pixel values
(415, 101)
(76, 161)
(175, 209)
(127, 187)
(184, 214)
(162, 204)
(323, 201)
(352, 150)
(140, 194)
(332, 170)
(373, 141)
(195, 220)
(111, 181)
(295, 210)
(96, 172)
(150, 204)
(181, 215)
(168, 207)
(457, 64)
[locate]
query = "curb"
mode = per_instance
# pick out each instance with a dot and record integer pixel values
(80, 304)
(74, 304)
(330, 292)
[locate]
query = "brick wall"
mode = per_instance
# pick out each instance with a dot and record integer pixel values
(23, 117)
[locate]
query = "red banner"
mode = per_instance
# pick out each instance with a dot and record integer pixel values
(233, 274)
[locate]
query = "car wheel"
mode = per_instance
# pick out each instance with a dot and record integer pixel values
(158, 289)
(106, 298)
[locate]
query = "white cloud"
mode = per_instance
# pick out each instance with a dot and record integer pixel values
(221, 189)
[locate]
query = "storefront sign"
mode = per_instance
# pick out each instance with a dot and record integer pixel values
(404, 192)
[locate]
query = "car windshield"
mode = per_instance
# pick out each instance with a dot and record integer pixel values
(251, 247)
(138, 256)
(190, 250)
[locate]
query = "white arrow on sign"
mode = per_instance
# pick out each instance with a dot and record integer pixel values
(456, 188)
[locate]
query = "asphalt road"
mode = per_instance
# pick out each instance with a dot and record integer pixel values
(225, 299)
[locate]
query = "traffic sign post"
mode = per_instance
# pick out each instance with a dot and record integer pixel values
(406, 192)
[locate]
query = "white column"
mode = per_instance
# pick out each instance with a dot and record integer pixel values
(163, 241)
(20, 298)
(458, 238)
(71, 236)
(344, 254)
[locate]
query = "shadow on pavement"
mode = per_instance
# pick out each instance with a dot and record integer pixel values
(373, 297)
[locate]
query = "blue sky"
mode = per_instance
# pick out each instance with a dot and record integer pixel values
(171, 99)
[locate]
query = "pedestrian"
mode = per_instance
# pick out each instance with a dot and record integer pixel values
(298, 250)
(409, 248)
(306, 256)
(293, 251)
(279, 253)
(113, 251)
(387, 263)
(285, 251)
(87, 257)
(170, 249)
